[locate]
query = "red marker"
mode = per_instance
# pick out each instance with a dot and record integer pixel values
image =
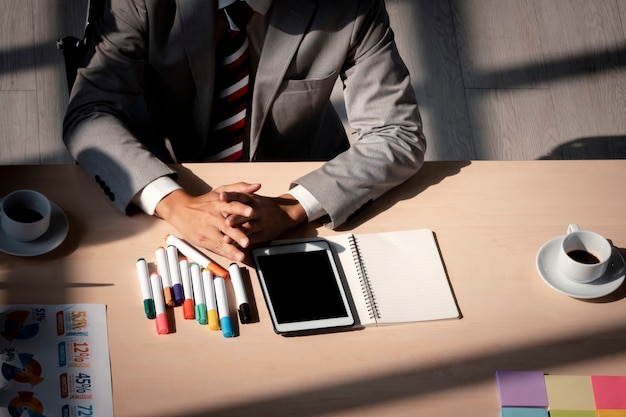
(188, 304)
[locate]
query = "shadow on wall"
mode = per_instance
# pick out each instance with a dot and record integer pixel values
(598, 147)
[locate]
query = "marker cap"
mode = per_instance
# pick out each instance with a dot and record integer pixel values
(201, 314)
(227, 328)
(189, 309)
(244, 313)
(214, 320)
(161, 324)
(167, 295)
(217, 270)
(148, 307)
(177, 289)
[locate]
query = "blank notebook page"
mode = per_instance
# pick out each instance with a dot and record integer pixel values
(407, 276)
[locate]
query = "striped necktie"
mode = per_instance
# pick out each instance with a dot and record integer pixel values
(228, 118)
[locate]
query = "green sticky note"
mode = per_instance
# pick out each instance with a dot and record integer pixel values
(570, 392)
(573, 413)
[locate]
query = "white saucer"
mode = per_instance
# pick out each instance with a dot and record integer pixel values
(54, 236)
(606, 284)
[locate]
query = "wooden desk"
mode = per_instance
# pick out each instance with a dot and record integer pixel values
(490, 219)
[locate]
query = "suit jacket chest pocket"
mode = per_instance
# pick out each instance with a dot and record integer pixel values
(297, 113)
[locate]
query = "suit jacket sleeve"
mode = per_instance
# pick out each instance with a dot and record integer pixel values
(382, 108)
(96, 128)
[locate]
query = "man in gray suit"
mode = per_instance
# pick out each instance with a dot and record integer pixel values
(145, 97)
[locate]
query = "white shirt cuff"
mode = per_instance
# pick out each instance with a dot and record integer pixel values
(312, 207)
(148, 198)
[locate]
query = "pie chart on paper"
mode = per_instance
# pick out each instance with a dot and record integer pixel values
(18, 325)
(26, 371)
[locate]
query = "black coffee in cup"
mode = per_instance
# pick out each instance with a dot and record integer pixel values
(24, 215)
(582, 256)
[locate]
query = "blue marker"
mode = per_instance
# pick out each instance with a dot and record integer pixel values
(222, 307)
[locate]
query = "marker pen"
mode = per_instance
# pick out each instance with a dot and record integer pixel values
(188, 304)
(195, 255)
(159, 304)
(209, 297)
(146, 290)
(240, 293)
(172, 262)
(222, 307)
(198, 293)
(164, 272)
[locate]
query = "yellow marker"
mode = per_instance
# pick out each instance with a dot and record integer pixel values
(210, 300)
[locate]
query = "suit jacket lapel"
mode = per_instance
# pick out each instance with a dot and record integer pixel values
(197, 18)
(288, 22)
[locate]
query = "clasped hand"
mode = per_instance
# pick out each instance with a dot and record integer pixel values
(230, 219)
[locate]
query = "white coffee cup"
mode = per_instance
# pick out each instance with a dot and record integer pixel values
(25, 215)
(584, 255)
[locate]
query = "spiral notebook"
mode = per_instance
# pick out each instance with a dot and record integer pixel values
(400, 274)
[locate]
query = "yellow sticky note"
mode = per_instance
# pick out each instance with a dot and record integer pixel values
(570, 392)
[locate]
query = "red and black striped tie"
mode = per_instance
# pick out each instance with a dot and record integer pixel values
(228, 118)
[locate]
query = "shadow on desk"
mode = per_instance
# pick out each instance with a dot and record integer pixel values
(79, 196)
(616, 295)
(424, 380)
(430, 174)
(599, 147)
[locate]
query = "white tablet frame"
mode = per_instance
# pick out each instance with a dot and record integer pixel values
(299, 246)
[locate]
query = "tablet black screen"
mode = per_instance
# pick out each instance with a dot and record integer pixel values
(302, 286)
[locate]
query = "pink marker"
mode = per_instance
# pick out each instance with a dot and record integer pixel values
(159, 304)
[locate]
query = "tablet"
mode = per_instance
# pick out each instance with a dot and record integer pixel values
(302, 287)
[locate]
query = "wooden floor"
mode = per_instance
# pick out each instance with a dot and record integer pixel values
(496, 79)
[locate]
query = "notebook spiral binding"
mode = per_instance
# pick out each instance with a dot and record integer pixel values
(366, 287)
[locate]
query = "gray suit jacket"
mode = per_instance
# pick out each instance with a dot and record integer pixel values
(151, 77)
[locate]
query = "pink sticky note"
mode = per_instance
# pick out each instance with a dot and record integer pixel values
(522, 389)
(609, 392)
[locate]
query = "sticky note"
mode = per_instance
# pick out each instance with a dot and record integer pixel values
(609, 392)
(522, 389)
(573, 413)
(523, 412)
(611, 413)
(570, 392)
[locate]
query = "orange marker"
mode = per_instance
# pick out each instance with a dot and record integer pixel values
(164, 272)
(196, 256)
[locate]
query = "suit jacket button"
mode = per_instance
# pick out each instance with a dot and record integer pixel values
(105, 188)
